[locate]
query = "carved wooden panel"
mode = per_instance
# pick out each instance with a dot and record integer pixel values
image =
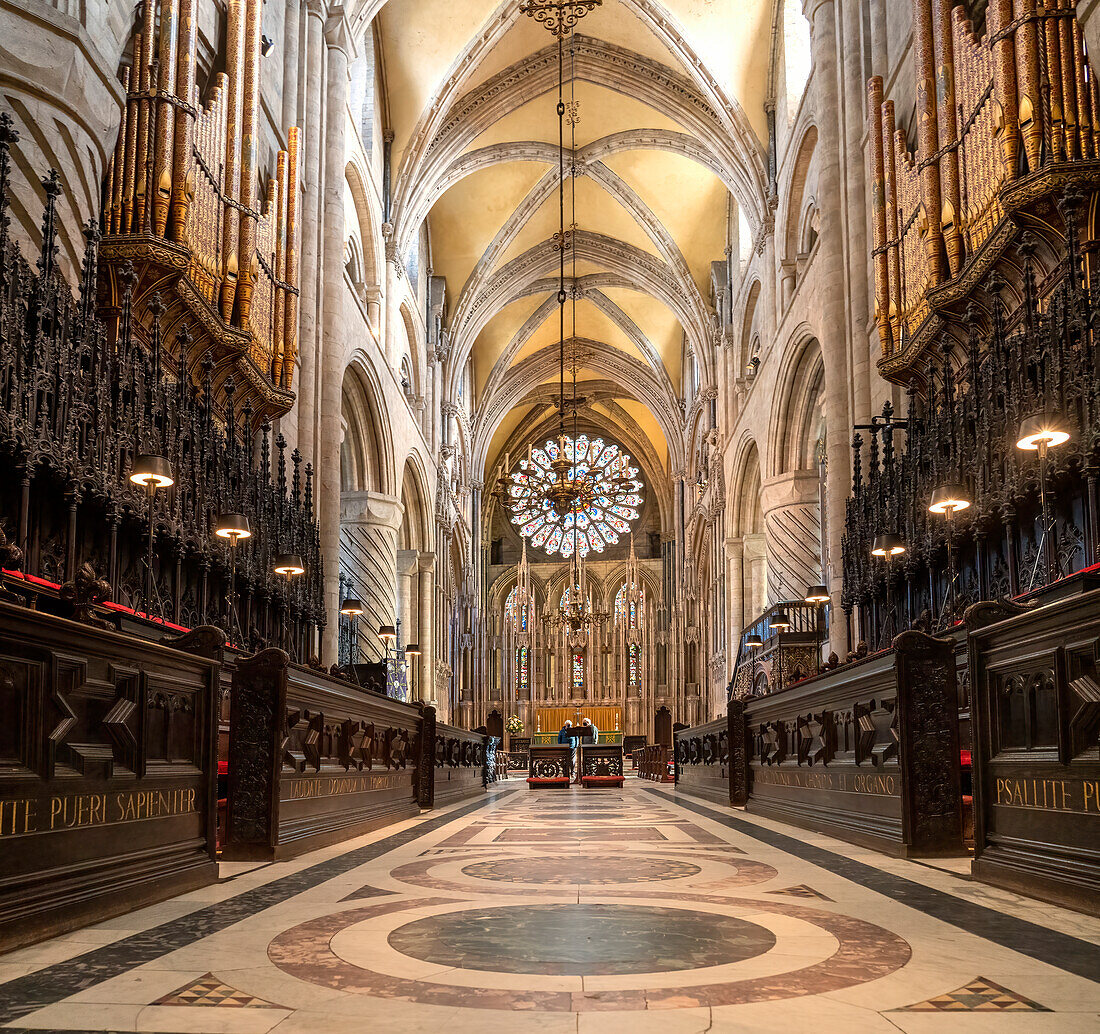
(107, 773)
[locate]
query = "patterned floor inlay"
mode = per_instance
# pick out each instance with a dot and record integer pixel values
(521, 836)
(862, 952)
(1043, 942)
(592, 871)
(980, 995)
(581, 939)
(802, 891)
(646, 903)
(209, 990)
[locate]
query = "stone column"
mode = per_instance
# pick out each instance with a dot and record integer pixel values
(859, 255)
(758, 575)
(792, 533)
(369, 524)
(735, 583)
(831, 292)
(426, 563)
(291, 60)
(339, 49)
(309, 306)
(407, 596)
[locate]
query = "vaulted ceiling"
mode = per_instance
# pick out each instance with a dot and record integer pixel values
(671, 124)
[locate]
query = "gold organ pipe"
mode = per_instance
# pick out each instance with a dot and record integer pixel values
(1060, 28)
(249, 130)
(1059, 130)
(890, 183)
(165, 115)
(115, 224)
(1084, 107)
(231, 178)
(999, 15)
(183, 161)
(145, 85)
(1062, 25)
(928, 137)
(1027, 84)
(279, 300)
(878, 212)
(951, 214)
(130, 171)
(290, 316)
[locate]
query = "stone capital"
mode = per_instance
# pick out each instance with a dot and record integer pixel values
(426, 560)
(812, 8)
(407, 562)
(338, 33)
(371, 508)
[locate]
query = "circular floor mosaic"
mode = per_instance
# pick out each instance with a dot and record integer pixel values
(565, 870)
(562, 940)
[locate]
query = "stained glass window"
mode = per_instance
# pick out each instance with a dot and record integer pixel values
(513, 610)
(578, 671)
(522, 673)
(609, 490)
(633, 659)
(629, 611)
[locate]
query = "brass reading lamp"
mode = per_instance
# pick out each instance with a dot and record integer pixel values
(388, 635)
(233, 527)
(152, 472)
(887, 546)
(1039, 433)
(753, 643)
(289, 566)
(352, 608)
(412, 650)
(949, 500)
(818, 595)
(780, 622)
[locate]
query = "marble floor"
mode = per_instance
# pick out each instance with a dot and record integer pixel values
(638, 910)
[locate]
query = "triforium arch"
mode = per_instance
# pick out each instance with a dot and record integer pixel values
(365, 460)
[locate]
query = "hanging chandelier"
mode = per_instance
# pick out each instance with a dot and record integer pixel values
(559, 16)
(573, 495)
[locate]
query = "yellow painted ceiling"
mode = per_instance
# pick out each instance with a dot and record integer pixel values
(603, 111)
(687, 198)
(592, 324)
(422, 42)
(595, 209)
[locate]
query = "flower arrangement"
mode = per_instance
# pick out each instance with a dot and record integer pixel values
(514, 725)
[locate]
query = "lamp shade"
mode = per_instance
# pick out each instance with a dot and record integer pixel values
(387, 633)
(232, 526)
(888, 545)
(152, 471)
(352, 607)
(289, 564)
(781, 621)
(817, 594)
(949, 499)
(412, 649)
(753, 642)
(1041, 429)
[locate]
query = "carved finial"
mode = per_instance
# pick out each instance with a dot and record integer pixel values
(47, 260)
